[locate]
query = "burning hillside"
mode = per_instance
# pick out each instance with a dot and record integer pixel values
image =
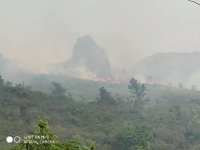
(150, 81)
(107, 80)
(89, 62)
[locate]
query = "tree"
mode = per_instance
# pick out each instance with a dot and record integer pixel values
(139, 91)
(21, 86)
(105, 96)
(8, 84)
(139, 137)
(58, 90)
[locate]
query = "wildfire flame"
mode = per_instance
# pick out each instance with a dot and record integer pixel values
(150, 80)
(95, 77)
(107, 80)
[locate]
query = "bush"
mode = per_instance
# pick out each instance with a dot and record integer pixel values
(105, 96)
(138, 137)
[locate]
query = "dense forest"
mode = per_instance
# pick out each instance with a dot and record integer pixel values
(139, 122)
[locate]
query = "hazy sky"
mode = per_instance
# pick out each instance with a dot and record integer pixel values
(44, 31)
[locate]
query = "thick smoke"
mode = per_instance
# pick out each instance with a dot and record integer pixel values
(10, 68)
(88, 61)
(171, 68)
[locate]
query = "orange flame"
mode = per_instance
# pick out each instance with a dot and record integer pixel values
(116, 79)
(150, 82)
(95, 77)
(107, 80)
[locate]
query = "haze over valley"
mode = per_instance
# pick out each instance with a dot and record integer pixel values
(100, 75)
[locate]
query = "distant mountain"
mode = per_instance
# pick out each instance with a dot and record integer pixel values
(88, 54)
(172, 68)
(88, 60)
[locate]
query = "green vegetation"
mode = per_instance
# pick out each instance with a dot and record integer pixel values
(105, 97)
(171, 120)
(45, 140)
(139, 92)
(59, 92)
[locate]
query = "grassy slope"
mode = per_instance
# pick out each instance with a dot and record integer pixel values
(87, 90)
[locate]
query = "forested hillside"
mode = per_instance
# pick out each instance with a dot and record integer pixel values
(169, 121)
